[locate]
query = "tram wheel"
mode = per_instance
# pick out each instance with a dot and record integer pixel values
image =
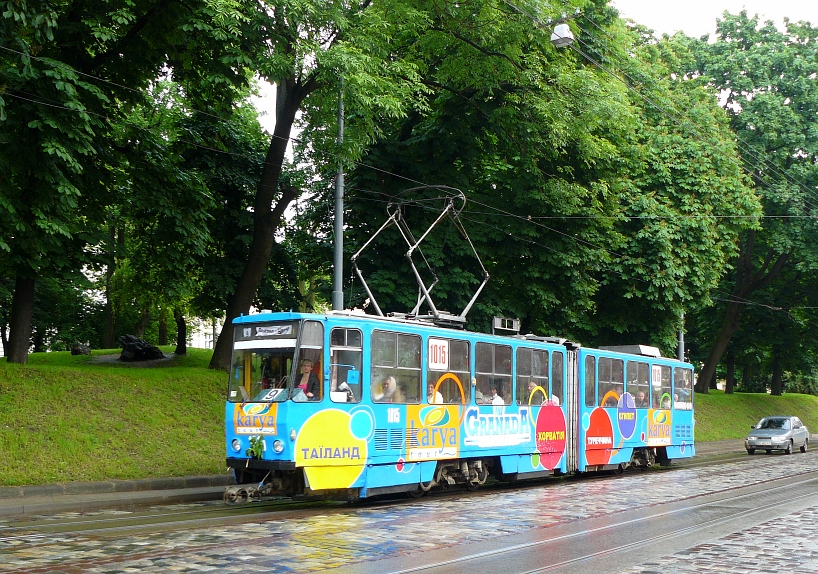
(419, 493)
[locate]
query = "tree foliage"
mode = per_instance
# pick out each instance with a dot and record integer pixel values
(767, 79)
(599, 214)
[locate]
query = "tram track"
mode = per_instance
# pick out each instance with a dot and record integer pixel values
(281, 509)
(547, 547)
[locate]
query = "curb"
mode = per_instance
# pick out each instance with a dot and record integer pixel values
(109, 486)
(16, 501)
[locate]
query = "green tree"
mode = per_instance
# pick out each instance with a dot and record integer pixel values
(766, 79)
(304, 49)
(67, 70)
(593, 206)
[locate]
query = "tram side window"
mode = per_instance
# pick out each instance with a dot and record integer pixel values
(532, 372)
(346, 352)
(590, 381)
(662, 387)
(493, 366)
(611, 381)
(448, 357)
(395, 367)
(639, 383)
(683, 390)
(309, 379)
(556, 378)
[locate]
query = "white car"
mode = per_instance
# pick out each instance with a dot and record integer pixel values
(777, 433)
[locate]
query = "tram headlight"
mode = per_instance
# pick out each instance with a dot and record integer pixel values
(278, 446)
(236, 445)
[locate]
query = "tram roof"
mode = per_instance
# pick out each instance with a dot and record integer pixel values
(623, 350)
(403, 320)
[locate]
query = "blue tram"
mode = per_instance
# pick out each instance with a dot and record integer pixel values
(358, 405)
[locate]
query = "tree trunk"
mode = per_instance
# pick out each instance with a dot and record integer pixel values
(163, 329)
(142, 326)
(747, 281)
(265, 218)
(776, 386)
(22, 308)
(4, 338)
(730, 381)
(181, 333)
(108, 337)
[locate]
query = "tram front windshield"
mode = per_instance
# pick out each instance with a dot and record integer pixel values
(270, 360)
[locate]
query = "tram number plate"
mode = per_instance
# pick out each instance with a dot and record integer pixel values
(438, 354)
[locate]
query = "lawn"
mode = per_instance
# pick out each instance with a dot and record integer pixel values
(720, 416)
(74, 418)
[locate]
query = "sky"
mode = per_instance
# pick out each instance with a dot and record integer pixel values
(698, 17)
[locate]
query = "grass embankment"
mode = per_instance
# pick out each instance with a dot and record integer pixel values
(720, 416)
(65, 418)
(76, 418)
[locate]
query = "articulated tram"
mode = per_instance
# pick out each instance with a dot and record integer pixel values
(353, 405)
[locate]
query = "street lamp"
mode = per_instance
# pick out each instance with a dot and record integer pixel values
(562, 36)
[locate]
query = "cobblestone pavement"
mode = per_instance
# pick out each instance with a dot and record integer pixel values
(786, 544)
(369, 533)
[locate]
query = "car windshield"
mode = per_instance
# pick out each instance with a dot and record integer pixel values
(774, 424)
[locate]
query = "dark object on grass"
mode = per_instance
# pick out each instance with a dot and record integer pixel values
(134, 349)
(80, 349)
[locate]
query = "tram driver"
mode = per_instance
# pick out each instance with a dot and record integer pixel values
(308, 382)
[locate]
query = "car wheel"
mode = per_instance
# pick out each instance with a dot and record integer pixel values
(804, 446)
(788, 450)
(768, 451)
(751, 451)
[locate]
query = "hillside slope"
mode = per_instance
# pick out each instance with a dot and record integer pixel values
(65, 418)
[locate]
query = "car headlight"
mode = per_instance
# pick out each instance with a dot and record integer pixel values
(236, 445)
(752, 438)
(278, 446)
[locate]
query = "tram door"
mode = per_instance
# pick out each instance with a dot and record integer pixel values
(572, 411)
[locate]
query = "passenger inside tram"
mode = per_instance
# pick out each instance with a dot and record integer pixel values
(388, 391)
(434, 397)
(534, 397)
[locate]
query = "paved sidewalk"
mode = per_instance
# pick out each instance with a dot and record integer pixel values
(87, 496)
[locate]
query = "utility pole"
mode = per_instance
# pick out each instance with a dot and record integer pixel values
(681, 350)
(338, 270)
